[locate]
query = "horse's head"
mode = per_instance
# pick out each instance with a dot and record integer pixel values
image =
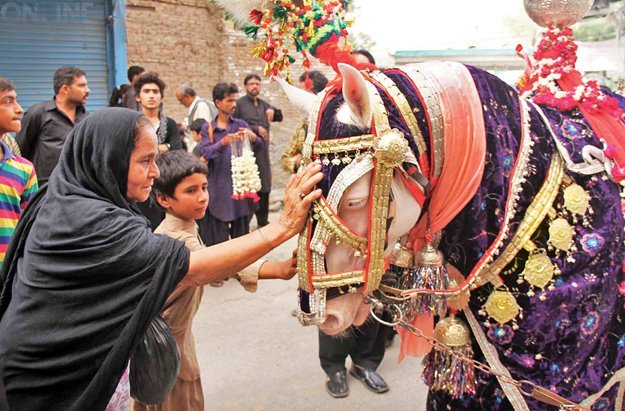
(373, 193)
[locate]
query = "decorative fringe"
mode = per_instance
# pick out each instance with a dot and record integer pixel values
(445, 371)
(430, 273)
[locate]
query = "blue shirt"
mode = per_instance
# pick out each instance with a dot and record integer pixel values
(220, 204)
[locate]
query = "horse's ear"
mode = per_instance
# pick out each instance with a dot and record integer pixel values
(301, 99)
(356, 95)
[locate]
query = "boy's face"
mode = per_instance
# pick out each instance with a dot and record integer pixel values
(196, 136)
(190, 199)
(150, 96)
(10, 112)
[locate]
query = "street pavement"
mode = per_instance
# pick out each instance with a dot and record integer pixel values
(255, 356)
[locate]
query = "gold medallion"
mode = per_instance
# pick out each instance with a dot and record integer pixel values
(452, 332)
(538, 270)
(576, 199)
(560, 234)
(502, 306)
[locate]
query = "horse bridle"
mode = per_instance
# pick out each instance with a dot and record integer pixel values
(380, 152)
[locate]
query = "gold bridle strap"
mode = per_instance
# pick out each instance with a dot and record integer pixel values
(404, 109)
(388, 152)
(336, 227)
(344, 145)
(434, 111)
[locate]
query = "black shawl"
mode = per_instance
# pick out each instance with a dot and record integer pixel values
(83, 276)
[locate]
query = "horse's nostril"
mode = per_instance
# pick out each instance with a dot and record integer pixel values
(333, 324)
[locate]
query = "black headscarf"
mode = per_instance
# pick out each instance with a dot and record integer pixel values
(83, 276)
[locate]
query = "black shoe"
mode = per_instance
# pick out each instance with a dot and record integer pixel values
(372, 380)
(336, 384)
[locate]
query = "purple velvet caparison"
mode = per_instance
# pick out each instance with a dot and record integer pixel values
(574, 341)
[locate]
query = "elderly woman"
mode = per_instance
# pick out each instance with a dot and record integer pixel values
(84, 276)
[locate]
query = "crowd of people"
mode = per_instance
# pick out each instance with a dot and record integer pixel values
(95, 257)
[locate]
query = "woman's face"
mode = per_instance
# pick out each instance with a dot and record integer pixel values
(142, 171)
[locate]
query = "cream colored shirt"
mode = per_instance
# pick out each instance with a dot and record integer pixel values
(184, 301)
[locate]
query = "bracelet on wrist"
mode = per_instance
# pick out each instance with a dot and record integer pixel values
(266, 239)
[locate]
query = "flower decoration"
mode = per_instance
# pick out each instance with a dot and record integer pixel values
(507, 162)
(590, 323)
(551, 79)
(310, 27)
(245, 175)
(527, 360)
(602, 404)
(571, 129)
(500, 334)
(554, 59)
(592, 243)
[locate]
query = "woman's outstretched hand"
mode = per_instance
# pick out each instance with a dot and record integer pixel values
(298, 196)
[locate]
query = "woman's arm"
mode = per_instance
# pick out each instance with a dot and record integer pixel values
(222, 260)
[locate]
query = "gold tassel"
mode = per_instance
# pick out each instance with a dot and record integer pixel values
(445, 371)
(429, 273)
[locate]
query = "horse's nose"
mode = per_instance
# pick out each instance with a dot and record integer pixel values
(334, 323)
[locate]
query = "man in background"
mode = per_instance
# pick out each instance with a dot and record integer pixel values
(124, 95)
(258, 113)
(149, 92)
(45, 125)
(197, 108)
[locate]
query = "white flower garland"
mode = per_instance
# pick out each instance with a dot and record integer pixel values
(245, 175)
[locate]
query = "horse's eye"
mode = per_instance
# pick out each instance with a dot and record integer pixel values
(357, 202)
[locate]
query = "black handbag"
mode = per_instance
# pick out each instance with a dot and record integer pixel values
(154, 365)
(277, 115)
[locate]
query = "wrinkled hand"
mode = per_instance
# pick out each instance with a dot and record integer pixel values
(298, 196)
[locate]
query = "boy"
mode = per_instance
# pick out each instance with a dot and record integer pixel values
(181, 190)
(18, 181)
(196, 128)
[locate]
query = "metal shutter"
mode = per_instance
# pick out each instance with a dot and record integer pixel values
(39, 36)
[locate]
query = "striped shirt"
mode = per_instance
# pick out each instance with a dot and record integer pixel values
(18, 183)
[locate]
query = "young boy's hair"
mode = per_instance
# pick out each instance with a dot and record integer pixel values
(222, 90)
(197, 125)
(6, 84)
(148, 78)
(175, 166)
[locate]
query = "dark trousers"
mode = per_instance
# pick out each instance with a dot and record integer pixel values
(365, 345)
(4, 403)
(214, 231)
(262, 214)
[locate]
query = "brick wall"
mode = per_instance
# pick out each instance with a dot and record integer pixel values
(189, 41)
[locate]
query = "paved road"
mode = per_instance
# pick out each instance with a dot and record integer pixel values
(255, 356)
